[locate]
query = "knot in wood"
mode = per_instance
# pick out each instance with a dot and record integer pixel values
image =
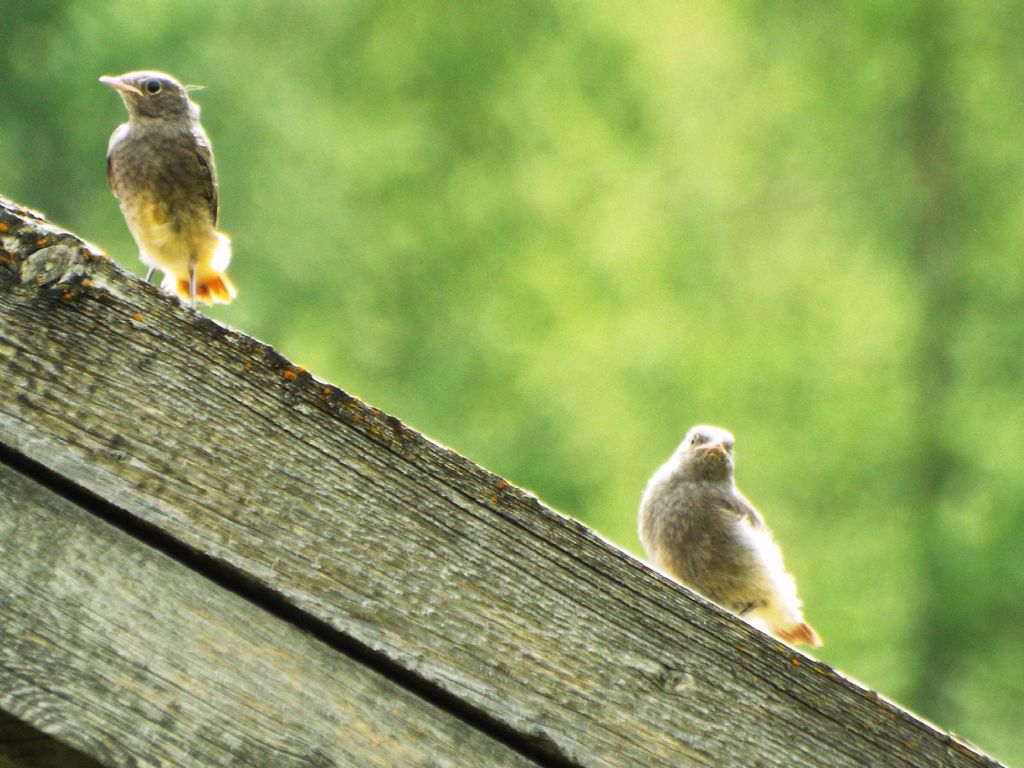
(675, 681)
(56, 265)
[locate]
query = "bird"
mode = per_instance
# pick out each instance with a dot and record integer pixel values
(697, 528)
(160, 168)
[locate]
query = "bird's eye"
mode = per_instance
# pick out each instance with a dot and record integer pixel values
(696, 439)
(153, 86)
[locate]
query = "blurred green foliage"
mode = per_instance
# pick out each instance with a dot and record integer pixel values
(554, 235)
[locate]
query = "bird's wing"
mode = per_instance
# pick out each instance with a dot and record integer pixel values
(745, 510)
(115, 138)
(206, 172)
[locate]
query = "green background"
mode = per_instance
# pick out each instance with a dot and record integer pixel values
(554, 235)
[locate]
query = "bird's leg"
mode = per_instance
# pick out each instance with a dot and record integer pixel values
(192, 285)
(149, 273)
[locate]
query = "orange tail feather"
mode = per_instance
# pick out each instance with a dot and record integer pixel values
(801, 633)
(212, 289)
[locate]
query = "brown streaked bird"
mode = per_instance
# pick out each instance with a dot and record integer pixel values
(160, 168)
(699, 529)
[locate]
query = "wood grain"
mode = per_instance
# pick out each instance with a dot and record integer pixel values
(412, 551)
(134, 659)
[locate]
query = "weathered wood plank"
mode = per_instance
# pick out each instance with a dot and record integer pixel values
(133, 659)
(408, 548)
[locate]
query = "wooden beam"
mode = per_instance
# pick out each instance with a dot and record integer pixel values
(132, 658)
(468, 584)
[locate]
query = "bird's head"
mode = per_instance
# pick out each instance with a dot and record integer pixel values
(153, 95)
(706, 454)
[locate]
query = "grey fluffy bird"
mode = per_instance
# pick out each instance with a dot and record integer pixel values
(160, 168)
(699, 529)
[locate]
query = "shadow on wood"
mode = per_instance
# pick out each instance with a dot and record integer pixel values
(22, 746)
(217, 559)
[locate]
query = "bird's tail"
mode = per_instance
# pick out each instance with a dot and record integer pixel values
(800, 633)
(210, 289)
(212, 283)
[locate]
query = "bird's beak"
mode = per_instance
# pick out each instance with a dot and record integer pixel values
(120, 85)
(718, 448)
